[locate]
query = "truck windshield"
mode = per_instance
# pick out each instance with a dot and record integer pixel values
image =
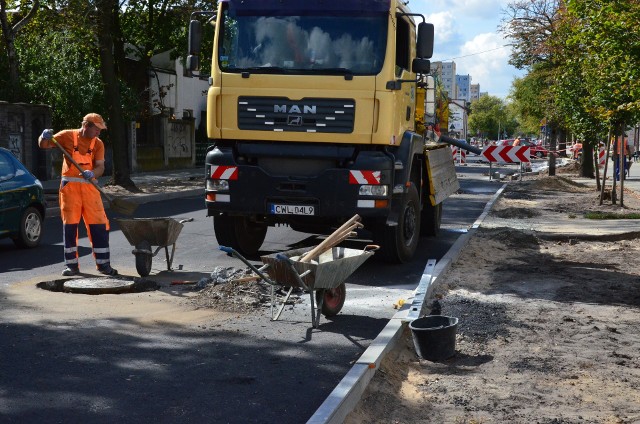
(325, 45)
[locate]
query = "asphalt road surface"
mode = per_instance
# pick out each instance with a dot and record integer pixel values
(247, 369)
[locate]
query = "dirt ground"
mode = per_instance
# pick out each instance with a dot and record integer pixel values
(548, 329)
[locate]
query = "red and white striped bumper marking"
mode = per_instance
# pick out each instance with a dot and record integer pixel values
(224, 172)
(364, 177)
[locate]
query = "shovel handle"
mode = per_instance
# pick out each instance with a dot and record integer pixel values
(77, 165)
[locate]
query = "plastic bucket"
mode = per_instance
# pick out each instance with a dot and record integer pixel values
(434, 336)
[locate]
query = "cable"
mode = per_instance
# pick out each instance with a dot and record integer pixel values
(475, 54)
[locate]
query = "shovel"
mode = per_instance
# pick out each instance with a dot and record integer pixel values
(118, 205)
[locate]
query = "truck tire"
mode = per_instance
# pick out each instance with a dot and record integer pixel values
(239, 232)
(430, 219)
(398, 243)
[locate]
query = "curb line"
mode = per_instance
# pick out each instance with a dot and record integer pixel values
(346, 395)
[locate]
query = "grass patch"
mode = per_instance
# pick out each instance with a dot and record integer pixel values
(610, 215)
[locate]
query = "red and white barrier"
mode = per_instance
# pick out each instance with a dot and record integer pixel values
(459, 155)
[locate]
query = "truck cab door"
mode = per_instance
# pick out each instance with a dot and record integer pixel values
(405, 50)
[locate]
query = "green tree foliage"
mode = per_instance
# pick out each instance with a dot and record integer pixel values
(531, 98)
(74, 55)
(490, 114)
(602, 48)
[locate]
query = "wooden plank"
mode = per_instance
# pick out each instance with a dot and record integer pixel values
(443, 180)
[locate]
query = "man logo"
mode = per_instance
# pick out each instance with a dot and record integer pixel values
(294, 120)
(295, 109)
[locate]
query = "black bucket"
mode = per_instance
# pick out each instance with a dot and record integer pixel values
(434, 336)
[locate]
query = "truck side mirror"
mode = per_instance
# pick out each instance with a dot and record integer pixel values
(424, 45)
(195, 37)
(195, 41)
(193, 63)
(420, 66)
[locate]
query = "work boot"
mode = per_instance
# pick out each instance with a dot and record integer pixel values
(70, 271)
(107, 270)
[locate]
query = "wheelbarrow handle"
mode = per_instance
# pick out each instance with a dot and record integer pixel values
(283, 257)
(234, 254)
(228, 250)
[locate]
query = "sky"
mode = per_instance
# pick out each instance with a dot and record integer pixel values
(466, 32)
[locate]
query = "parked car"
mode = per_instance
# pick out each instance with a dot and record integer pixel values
(535, 149)
(22, 202)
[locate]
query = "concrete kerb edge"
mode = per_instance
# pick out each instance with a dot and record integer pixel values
(346, 395)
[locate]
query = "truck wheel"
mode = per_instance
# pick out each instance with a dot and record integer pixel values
(332, 300)
(240, 233)
(398, 244)
(431, 218)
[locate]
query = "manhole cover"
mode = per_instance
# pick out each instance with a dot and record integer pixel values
(100, 285)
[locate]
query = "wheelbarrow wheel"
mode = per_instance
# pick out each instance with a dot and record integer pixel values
(144, 259)
(332, 300)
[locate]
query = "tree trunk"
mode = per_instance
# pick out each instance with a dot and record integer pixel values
(586, 167)
(121, 175)
(14, 90)
(553, 144)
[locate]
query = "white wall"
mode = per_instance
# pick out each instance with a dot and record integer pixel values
(181, 92)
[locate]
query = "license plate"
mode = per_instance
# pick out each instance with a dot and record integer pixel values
(292, 209)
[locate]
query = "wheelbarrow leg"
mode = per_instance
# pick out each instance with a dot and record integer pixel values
(315, 320)
(318, 310)
(282, 305)
(169, 258)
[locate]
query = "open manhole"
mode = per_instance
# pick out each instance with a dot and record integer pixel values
(100, 285)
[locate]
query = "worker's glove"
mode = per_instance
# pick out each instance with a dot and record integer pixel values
(47, 134)
(88, 174)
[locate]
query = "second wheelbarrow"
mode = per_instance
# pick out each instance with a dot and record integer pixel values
(322, 278)
(144, 233)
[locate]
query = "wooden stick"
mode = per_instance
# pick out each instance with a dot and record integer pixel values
(245, 279)
(333, 239)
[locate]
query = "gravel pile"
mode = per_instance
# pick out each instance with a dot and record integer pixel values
(226, 291)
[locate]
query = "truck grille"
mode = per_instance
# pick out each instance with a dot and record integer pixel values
(306, 115)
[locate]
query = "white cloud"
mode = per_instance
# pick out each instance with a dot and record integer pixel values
(472, 8)
(485, 58)
(445, 32)
(466, 32)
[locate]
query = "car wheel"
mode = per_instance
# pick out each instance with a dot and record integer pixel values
(539, 155)
(30, 231)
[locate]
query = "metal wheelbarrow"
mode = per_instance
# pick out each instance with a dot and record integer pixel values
(323, 278)
(143, 233)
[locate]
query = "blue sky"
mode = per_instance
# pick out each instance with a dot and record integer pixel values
(466, 31)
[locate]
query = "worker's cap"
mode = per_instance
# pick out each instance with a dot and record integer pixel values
(96, 120)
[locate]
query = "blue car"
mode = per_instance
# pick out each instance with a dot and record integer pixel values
(22, 202)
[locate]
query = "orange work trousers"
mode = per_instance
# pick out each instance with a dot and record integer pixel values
(80, 199)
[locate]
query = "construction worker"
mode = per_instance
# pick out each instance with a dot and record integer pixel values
(78, 197)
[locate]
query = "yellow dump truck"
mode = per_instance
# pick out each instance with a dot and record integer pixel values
(311, 114)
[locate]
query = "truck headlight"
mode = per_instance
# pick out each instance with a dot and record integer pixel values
(373, 190)
(217, 185)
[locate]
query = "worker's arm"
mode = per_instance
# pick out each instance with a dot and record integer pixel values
(44, 141)
(98, 168)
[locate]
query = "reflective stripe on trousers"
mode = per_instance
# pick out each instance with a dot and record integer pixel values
(79, 199)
